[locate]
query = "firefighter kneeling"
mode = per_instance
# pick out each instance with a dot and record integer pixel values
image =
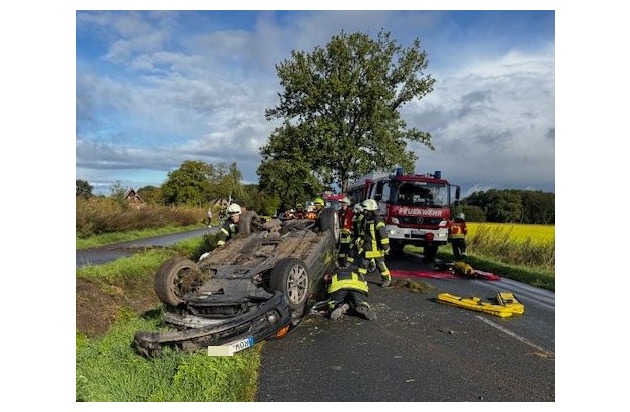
(348, 291)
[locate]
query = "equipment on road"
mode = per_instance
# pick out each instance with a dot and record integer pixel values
(475, 303)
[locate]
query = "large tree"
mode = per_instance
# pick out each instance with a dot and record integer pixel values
(287, 173)
(341, 107)
(189, 184)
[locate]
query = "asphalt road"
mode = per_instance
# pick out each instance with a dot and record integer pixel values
(416, 350)
(104, 254)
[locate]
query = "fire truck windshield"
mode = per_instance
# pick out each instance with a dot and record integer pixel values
(420, 194)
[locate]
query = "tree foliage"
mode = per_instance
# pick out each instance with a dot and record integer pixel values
(288, 174)
(513, 206)
(189, 184)
(195, 183)
(341, 112)
(151, 194)
(84, 189)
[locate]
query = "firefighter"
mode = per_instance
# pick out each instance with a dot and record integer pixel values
(348, 291)
(230, 226)
(375, 242)
(345, 224)
(300, 213)
(318, 206)
(457, 232)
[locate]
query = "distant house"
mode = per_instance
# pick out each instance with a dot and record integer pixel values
(134, 199)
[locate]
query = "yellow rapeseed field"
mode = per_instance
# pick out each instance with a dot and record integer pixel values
(516, 232)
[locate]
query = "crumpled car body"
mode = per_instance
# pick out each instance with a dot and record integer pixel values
(259, 285)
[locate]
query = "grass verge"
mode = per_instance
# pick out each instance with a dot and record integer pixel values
(110, 238)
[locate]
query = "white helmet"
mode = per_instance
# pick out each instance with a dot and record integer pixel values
(370, 205)
(461, 216)
(346, 201)
(234, 209)
(358, 208)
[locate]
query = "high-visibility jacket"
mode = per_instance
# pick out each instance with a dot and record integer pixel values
(457, 229)
(348, 280)
(226, 232)
(375, 238)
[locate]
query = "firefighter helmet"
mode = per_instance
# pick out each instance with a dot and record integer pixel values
(370, 205)
(318, 202)
(461, 216)
(234, 209)
(358, 208)
(345, 201)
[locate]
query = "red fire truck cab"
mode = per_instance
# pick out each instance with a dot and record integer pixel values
(416, 208)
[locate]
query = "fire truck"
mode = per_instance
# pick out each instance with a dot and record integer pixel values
(332, 199)
(416, 208)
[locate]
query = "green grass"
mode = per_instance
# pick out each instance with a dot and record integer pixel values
(109, 370)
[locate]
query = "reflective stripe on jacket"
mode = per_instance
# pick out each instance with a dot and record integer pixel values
(457, 229)
(347, 279)
(374, 237)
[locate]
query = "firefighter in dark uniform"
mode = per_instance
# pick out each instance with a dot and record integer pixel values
(375, 242)
(348, 291)
(230, 226)
(345, 242)
(357, 232)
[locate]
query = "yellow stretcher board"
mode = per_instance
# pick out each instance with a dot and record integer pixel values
(508, 300)
(474, 303)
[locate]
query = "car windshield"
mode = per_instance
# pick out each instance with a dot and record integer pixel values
(420, 194)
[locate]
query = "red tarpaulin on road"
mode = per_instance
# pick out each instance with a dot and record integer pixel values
(422, 274)
(397, 273)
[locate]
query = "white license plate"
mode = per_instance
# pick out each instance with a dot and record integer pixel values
(243, 344)
(417, 232)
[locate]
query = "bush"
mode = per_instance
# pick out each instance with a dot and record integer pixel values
(98, 215)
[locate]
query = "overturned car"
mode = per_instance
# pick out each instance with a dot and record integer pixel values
(259, 285)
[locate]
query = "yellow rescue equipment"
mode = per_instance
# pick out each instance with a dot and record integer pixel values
(508, 305)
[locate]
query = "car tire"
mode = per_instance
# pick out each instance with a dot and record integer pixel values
(290, 277)
(329, 220)
(175, 278)
(245, 222)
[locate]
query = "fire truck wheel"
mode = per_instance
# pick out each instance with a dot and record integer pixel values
(430, 251)
(396, 248)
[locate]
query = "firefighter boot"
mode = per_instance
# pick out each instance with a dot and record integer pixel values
(364, 309)
(339, 310)
(387, 282)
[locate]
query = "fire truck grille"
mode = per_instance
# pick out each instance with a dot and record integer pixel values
(417, 220)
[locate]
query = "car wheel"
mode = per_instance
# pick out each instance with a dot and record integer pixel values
(290, 277)
(175, 278)
(329, 220)
(245, 222)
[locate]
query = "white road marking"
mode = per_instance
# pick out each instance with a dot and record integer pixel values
(514, 335)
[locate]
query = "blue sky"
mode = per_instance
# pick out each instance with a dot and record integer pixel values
(156, 88)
